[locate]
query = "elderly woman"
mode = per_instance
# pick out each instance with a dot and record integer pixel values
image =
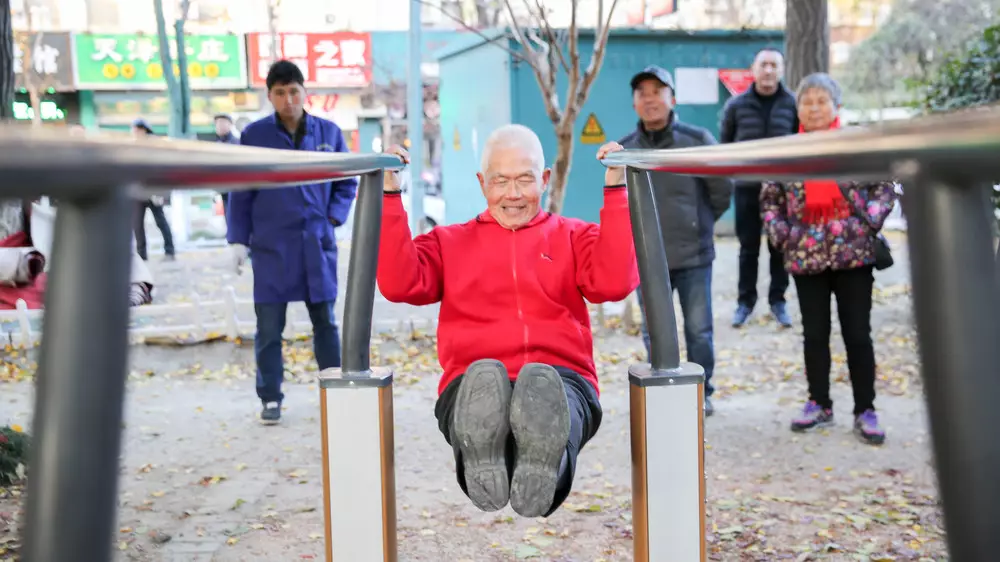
(827, 232)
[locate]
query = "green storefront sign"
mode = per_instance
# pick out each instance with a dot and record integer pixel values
(132, 62)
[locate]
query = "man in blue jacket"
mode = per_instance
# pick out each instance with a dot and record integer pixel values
(290, 232)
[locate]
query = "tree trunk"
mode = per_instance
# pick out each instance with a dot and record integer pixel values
(561, 167)
(28, 75)
(183, 85)
(173, 92)
(807, 39)
(6, 62)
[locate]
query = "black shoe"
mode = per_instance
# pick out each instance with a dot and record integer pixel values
(741, 316)
(170, 257)
(539, 418)
(481, 428)
(271, 413)
(709, 408)
(781, 314)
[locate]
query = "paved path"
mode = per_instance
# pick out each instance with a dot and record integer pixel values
(200, 471)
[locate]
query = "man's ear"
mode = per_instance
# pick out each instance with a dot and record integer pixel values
(482, 182)
(546, 174)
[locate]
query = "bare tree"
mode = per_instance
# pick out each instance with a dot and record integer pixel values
(272, 26)
(6, 62)
(178, 89)
(807, 39)
(549, 52)
(29, 46)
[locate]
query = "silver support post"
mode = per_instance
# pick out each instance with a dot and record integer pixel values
(72, 490)
(361, 271)
(666, 409)
(957, 310)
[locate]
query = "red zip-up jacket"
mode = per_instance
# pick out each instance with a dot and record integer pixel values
(516, 296)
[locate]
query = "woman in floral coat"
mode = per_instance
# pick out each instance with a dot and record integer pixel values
(826, 230)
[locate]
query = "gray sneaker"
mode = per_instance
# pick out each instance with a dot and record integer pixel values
(780, 313)
(482, 426)
(271, 413)
(539, 418)
(709, 407)
(813, 415)
(741, 315)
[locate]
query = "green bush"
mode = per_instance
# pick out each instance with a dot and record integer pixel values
(965, 80)
(13, 455)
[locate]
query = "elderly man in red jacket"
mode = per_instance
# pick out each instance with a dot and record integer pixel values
(519, 396)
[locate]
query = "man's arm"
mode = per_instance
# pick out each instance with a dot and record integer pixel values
(409, 269)
(342, 192)
(720, 189)
(606, 268)
(239, 223)
(727, 126)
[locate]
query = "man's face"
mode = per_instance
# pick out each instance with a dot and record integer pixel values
(223, 127)
(138, 132)
(513, 185)
(768, 69)
(287, 99)
(653, 101)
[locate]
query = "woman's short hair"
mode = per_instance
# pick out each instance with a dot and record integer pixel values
(823, 81)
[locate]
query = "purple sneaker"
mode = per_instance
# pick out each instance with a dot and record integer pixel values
(867, 428)
(813, 415)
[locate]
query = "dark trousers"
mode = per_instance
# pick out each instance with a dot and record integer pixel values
(267, 344)
(853, 289)
(694, 288)
(585, 416)
(161, 222)
(748, 229)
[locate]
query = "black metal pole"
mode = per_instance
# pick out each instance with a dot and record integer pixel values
(654, 274)
(957, 309)
(73, 480)
(361, 276)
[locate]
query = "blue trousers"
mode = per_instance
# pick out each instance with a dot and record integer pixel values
(694, 287)
(267, 344)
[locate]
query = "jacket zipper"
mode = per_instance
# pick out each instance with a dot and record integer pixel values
(517, 293)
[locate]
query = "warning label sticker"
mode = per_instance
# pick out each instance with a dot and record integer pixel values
(592, 132)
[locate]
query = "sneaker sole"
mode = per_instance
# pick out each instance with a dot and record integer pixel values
(482, 411)
(869, 439)
(269, 422)
(539, 418)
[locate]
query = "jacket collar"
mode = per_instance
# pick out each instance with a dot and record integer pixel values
(307, 124)
(666, 133)
(485, 217)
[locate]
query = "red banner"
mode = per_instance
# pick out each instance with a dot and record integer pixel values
(736, 80)
(328, 60)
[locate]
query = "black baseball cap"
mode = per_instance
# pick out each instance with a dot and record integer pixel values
(141, 123)
(653, 72)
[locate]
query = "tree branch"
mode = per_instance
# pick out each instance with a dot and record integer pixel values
(553, 38)
(596, 59)
(519, 56)
(572, 91)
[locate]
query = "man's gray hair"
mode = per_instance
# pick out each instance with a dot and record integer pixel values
(510, 136)
(822, 81)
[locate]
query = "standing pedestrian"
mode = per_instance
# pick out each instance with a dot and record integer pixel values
(827, 231)
(688, 208)
(766, 110)
(290, 232)
(224, 134)
(141, 129)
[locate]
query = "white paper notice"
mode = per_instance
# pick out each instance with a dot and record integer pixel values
(697, 86)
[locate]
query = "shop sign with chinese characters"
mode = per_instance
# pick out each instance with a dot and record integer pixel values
(132, 62)
(328, 60)
(49, 60)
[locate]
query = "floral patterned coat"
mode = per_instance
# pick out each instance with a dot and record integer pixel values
(838, 244)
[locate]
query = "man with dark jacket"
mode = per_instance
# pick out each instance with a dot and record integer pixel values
(765, 110)
(688, 208)
(224, 134)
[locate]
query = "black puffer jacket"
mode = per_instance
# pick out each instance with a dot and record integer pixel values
(744, 119)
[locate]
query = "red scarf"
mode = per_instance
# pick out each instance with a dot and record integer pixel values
(824, 200)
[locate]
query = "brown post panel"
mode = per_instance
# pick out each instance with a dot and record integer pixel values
(326, 475)
(701, 470)
(640, 506)
(388, 452)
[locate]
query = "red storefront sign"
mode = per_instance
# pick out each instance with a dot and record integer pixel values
(736, 80)
(328, 60)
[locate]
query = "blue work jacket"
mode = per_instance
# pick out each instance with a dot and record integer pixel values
(290, 230)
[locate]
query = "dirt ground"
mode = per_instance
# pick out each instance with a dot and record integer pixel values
(201, 480)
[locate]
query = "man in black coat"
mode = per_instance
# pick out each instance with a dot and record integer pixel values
(765, 110)
(688, 208)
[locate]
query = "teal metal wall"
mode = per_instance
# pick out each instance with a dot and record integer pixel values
(475, 101)
(467, 79)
